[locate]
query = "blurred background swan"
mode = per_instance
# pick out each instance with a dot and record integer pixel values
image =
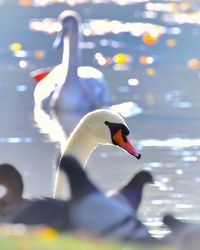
(69, 87)
(68, 91)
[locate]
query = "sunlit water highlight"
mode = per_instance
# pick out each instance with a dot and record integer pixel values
(173, 142)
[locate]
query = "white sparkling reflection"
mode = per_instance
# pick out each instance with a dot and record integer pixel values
(174, 142)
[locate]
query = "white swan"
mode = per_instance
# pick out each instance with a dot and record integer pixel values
(68, 86)
(97, 127)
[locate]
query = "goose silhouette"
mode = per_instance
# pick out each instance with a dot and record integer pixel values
(11, 179)
(88, 210)
(97, 127)
(183, 235)
(68, 86)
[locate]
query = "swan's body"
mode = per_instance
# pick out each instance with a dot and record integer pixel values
(11, 179)
(70, 87)
(97, 127)
(132, 191)
(89, 210)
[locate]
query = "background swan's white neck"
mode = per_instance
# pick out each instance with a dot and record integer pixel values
(71, 57)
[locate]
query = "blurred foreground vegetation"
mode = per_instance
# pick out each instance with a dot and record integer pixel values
(20, 237)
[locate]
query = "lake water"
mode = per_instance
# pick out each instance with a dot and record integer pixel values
(149, 53)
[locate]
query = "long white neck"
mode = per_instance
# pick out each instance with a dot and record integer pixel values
(70, 58)
(80, 144)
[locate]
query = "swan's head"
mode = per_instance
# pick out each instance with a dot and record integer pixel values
(69, 21)
(106, 127)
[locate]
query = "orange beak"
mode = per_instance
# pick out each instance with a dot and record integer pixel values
(39, 74)
(126, 145)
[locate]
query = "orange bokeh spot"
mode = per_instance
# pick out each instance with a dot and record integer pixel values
(174, 6)
(150, 72)
(120, 58)
(171, 42)
(25, 3)
(143, 59)
(39, 54)
(149, 39)
(193, 63)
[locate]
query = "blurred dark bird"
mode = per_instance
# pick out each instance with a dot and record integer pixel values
(11, 179)
(132, 191)
(69, 87)
(184, 235)
(88, 211)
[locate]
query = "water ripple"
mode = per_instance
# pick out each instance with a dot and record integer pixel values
(16, 140)
(173, 142)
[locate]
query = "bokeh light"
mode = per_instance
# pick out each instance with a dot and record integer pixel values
(23, 64)
(21, 53)
(14, 47)
(146, 59)
(25, 3)
(171, 42)
(164, 7)
(185, 6)
(39, 54)
(121, 58)
(149, 39)
(150, 71)
(133, 81)
(101, 59)
(193, 63)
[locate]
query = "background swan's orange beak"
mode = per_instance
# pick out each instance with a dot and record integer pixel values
(39, 74)
(126, 145)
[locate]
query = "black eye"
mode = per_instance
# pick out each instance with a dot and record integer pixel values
(107, 123)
